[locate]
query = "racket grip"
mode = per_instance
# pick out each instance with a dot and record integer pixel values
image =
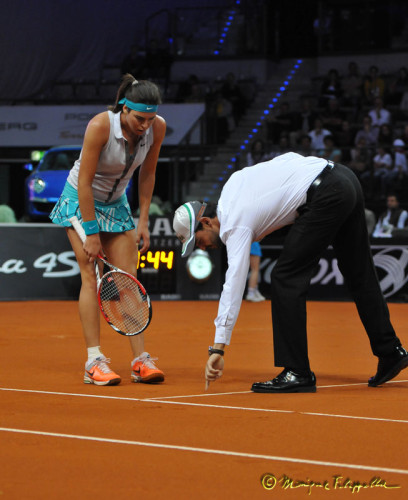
(78, 228)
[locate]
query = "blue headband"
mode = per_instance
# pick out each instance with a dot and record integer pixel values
(138, 106)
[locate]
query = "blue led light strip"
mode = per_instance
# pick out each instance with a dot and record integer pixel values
(225, 29)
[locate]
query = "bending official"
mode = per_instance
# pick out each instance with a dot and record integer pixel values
(323, 202)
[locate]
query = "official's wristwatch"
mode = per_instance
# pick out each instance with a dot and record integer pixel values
(211, 350)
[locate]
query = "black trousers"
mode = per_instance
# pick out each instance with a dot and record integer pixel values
(334, 215)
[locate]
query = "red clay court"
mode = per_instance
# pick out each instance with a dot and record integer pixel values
(63, 439)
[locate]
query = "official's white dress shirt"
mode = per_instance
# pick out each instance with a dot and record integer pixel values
(255, 202)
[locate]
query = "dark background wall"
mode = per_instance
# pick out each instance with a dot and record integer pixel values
(46, 40)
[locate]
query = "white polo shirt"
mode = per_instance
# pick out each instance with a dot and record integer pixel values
(254, 202)
(108, 182)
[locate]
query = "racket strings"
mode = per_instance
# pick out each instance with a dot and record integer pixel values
(123, 302)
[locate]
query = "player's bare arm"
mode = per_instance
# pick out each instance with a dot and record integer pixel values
(96, 136)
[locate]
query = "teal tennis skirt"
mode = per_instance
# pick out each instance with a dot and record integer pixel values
(115, 217)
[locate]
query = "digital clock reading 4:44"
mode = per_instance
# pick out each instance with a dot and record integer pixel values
(158, 259)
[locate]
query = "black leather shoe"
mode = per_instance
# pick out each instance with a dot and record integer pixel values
(287, 381)
(389, 366)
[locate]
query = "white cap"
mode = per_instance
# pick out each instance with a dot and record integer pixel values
(399, 142)
(185, 222)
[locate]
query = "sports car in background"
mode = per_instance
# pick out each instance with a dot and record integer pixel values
(45, 184)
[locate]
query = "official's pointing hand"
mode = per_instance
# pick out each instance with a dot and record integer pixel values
(213, 369)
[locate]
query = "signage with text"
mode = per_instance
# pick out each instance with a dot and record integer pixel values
(390, 259)
(44, 126)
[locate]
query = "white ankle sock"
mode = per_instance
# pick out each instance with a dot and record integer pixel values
(94, 352)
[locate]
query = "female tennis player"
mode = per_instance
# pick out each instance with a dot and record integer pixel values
(116, 142)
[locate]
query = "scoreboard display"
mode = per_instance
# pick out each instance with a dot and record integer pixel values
(163, 272)
(157, 270)
(156, 259)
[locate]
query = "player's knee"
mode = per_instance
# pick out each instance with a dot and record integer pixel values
(88, 278)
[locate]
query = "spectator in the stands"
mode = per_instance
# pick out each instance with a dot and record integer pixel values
(374, 85)
(353, 89)
(331, 151)
(303, 120)
(134, 62)
(332, 116)
(197, 94)
(187, 89)
(231, 91)
(220, 117)
(331, 87)
(404, 106)
(279, 122)
(395, 176)
(385, 135)
(369, 133)
(282, 147)
(398, 87)
(372, 180)
(306, 115)
(378, 113)
(304, 146)
(317, 134)
(400, 156)
(345, 140)
(393, 217)
(257, 153)
(400, 153)
(383, 159)
(383, 164)
(361, 157)
(7, 215)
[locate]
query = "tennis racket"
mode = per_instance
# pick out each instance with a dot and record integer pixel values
(122, 299)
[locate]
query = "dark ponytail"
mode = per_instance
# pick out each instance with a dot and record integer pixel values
(141, 91)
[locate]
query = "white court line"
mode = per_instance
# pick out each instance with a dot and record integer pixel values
(250, 392)
(69, 394)
(205, 394)
(207, 450)
(203, 405)
(359, 383)
(268, 410)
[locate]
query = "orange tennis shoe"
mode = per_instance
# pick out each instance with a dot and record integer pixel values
(144, 370)
(99, 373)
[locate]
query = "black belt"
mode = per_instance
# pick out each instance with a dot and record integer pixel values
(316, 183)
